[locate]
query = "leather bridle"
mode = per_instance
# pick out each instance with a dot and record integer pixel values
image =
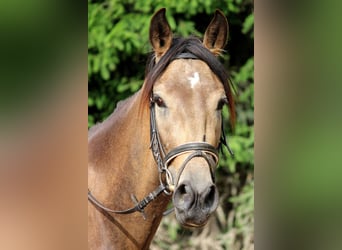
(163, 160)
(196, 149)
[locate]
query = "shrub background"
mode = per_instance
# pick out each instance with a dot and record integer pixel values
(118, 47)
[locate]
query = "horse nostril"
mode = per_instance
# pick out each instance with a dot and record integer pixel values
(210, 198)
(183, 197)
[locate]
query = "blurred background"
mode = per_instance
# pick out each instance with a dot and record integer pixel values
(118, 48)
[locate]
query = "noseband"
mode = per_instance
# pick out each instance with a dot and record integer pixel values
(167, 184)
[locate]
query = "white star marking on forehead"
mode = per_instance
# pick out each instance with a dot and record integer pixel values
(194, 80)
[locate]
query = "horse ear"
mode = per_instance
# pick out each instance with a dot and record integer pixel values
(215, 37)
(160, 33)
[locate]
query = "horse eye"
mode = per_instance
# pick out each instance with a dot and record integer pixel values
(221, 103)
(159, 101)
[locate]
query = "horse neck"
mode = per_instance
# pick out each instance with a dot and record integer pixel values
(119, 155)
(120, 164)
(120, 160)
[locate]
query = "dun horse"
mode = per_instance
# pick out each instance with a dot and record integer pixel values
(162, 143)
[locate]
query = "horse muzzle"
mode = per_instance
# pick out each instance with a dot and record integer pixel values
(193, 206)
(195, 195)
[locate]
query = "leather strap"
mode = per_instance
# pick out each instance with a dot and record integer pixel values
(139, 207)
(192, 146)
(186, 55)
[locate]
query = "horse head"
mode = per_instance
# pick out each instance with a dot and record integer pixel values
(187, 88)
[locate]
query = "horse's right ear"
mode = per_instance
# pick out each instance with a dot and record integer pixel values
(160, 33)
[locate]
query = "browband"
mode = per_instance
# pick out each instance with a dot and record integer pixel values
(186, 55)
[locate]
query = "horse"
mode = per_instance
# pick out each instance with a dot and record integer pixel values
(161, 144)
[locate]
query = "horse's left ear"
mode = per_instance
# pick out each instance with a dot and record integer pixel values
(160, 33)
(215, 37)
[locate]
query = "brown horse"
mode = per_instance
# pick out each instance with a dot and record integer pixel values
(161, 143)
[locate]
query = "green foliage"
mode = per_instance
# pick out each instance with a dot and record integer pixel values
(117, 51)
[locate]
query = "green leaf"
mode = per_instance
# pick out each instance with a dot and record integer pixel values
(104, 73)
(248, 23)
